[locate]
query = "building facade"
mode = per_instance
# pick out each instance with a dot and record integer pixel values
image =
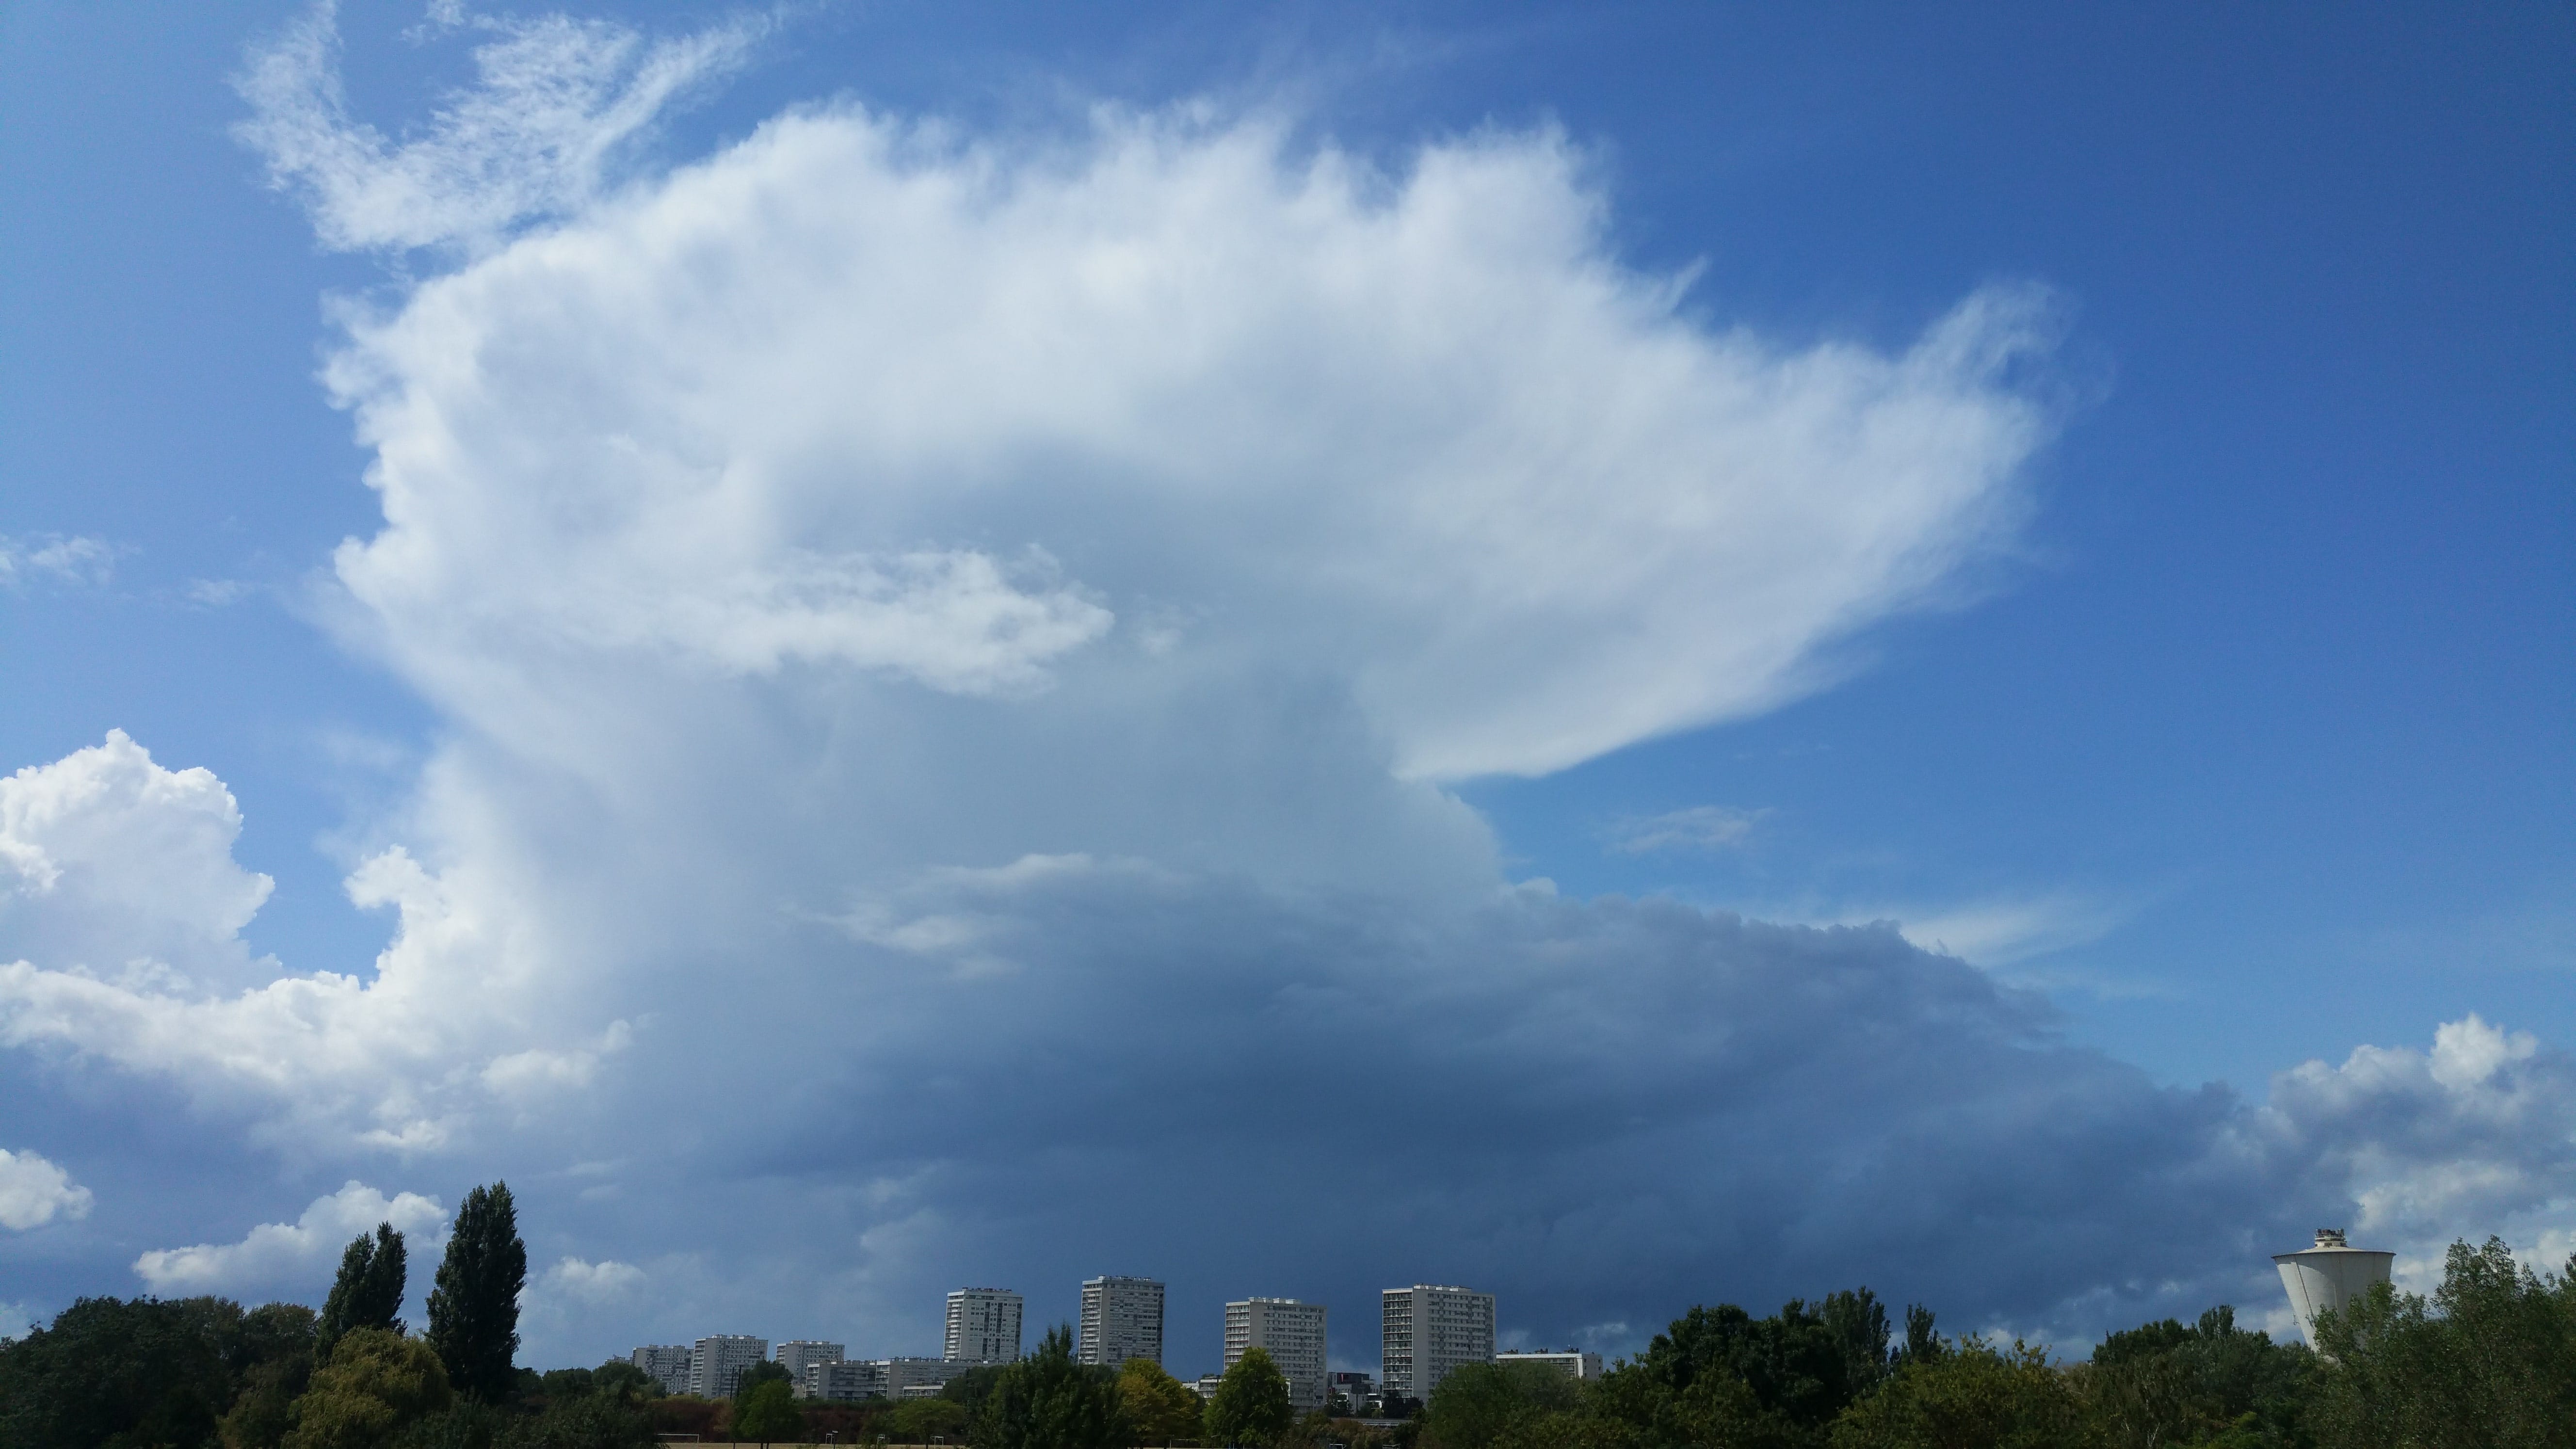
(851, 1380)
(1573, 1363)
(1428, 1330)
(798, 1354)
(666, 1364)
(1292, 1333)
(983, 1326)
(1349, 1392)
(1122, 1318)
(715, 1362)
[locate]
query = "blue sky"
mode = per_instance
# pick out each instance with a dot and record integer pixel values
(2195, 669)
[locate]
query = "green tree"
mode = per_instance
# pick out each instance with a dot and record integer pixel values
(461, 1425)
(474, 1309)
(1159, 1407)
(918, 1421)
(1047, 1401)
(2491, 1361)
(128, 1375)
(765, 1371)
(1251, 1404)
(622, 1379)
(377, 1384)
(1480, 1404)
(971, 1388)
(767, 1411)
(1974, 1396)
(368, 1292)
(2166, 1383)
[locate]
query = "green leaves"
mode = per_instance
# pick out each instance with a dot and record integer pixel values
(368, 1292)
(1047, 1401)
(767, 1411)
(376, 1384)
(474, 1309)
(1158, 1406)
(1251, 1404)
(2489, 1362)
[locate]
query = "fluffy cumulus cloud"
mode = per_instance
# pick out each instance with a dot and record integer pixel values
(297, 1257)
(952, 650)
(112, 866)
(34, 1192)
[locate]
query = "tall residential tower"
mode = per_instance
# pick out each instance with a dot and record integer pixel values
(983, 1325)
(1292, 1333)
(1122, 1318)
(1430, 1330)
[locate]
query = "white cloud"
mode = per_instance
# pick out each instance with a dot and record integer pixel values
(33, 1192)
(2006, 931)
(76, 560)
(594, 1282)
(297, 1255)
(944, 651)
(2478, 1130)
(1700, 827)
(554, 101)
(111, 865)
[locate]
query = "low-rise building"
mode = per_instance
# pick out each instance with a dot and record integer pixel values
(666, 1364)
(1574, 1363)
(1348, 1391)
(850, 1380)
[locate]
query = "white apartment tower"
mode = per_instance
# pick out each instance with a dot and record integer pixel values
(983, 1326)
(719, 1360)
(1122, 1318)
(1430, 1330)
(1292, 1333)
(666, 1364)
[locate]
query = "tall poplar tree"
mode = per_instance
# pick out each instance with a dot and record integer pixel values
(368, 1292)
(474, 1309)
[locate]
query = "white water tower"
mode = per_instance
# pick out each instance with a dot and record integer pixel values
(2330, 1275)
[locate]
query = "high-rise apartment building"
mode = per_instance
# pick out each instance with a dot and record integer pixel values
(983, 1325)
(719, 1360)
(1292, 1333)
(798, 1354)
(1428, 1331)
(1122, 1318)
(666, 1364)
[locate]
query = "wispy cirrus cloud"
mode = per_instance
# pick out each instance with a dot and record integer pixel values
(76, 560)
(1698, 827)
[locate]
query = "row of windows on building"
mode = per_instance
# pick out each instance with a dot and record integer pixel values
(1426, 1332)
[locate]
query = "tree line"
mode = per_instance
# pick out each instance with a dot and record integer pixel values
(2488, 1361)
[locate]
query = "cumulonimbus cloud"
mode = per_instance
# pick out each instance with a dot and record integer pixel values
(950, 650)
